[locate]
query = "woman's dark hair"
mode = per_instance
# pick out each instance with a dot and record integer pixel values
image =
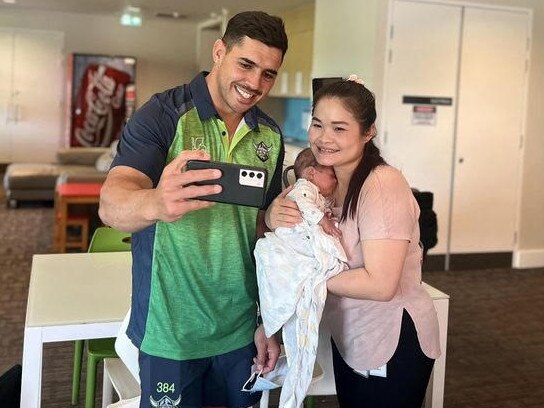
(256, 25)
(357, 99)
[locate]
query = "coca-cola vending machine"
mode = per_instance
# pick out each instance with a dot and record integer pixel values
(101, 98)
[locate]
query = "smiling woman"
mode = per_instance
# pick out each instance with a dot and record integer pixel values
(377, 215)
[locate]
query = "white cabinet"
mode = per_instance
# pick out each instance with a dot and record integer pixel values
(31, 94)
(454, 105)
(294, 79)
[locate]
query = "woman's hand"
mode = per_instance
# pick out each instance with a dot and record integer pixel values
(282, 212)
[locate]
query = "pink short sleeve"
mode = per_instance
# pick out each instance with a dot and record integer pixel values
(387, 207)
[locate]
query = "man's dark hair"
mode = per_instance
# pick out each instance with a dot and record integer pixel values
(256, 25)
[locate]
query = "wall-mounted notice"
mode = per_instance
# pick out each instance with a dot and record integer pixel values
(427, 100)
(424, 115)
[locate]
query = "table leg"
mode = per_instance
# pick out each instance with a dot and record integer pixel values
(435, 390)
(31, 382)
(107, 387)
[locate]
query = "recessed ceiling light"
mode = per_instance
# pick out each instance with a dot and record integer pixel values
(9, 1)
(132, 16)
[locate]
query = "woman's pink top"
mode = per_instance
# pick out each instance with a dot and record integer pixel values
(366, 332)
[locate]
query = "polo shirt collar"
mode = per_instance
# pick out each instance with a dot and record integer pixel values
(204, 105)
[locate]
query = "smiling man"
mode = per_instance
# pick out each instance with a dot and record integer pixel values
(194, 287)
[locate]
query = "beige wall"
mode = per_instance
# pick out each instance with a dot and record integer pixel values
(165, 50)
(345, 38)
(350, 37)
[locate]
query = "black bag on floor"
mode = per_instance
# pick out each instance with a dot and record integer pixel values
(428, 224)
(10, 387)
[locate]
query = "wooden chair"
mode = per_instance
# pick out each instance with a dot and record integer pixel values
(81, 239)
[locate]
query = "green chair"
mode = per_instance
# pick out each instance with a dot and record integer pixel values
(104, 239)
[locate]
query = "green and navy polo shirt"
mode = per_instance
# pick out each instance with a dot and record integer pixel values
(194, 287)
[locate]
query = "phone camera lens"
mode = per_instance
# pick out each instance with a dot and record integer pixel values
(251, 174)
(244, 173)
(259, 175)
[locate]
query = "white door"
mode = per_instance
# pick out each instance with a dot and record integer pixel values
(31, 94)
(423, 62)
(490, 124)
(38, 81)
(468, 158)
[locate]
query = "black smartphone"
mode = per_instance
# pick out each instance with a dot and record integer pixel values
(242, 185)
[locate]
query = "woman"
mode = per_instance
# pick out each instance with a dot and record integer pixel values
(383, 323)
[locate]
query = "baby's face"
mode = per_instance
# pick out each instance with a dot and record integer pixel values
(325, 180)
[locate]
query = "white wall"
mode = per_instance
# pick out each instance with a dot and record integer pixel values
(350, 38)
(165, 50)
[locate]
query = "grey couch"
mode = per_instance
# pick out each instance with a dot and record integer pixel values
(37, 181)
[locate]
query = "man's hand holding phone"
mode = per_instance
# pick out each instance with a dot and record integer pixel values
(176, 191)
(242, 185)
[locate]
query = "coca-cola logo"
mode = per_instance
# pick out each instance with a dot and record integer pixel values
(97, 120)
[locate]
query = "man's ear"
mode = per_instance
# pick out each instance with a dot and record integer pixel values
(218, 50)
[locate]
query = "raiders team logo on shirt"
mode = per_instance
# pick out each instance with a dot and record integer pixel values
(164, 402)
(262, 151)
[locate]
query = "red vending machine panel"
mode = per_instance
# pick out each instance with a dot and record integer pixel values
(101, 96)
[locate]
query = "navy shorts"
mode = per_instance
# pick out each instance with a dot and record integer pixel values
(213, 381)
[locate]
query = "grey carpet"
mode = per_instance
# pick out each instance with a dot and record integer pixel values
(496, 334)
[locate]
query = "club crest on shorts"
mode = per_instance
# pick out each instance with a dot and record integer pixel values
(262, 151)
(165, 402)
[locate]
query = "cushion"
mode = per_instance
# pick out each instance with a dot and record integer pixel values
(85, 156)
(28, 176)
(104, 161)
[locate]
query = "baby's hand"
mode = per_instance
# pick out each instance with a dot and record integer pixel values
(329, 226)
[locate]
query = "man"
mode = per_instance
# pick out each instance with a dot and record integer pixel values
(194, 287)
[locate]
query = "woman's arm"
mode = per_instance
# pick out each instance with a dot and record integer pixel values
(379, 278)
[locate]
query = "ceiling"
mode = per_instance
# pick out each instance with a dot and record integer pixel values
(193, 10)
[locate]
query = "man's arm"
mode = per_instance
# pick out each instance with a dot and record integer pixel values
(128, 201)
(268, 350)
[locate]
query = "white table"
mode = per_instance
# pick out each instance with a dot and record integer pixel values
(71, 296)
(434, 398)
(86, 295)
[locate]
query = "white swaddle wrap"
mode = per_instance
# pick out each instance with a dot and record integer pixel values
(293, 265)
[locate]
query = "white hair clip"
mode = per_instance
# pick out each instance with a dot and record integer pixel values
(356, 79)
